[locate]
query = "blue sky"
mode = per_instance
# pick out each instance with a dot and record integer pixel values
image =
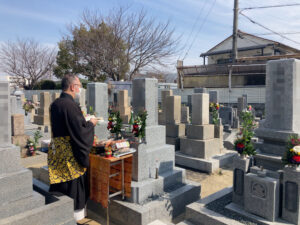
(46, 20)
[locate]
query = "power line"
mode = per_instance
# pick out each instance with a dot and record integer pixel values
(274, 32)
(278, 32)
(270, 6)
(193, 27)
(203, 22)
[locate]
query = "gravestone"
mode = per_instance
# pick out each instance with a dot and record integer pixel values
(162, 113)
(54, 96)
(241, 105)
(151, 157)
(185, 114)
(200, 90)
(174, 127)
(291, 195)
(241, 168)
(282, 112)
(123, 106)
(19, 204)
(214, 96)
(35, 98)
(82, 100)
(262, 196)
(229, 117)
(13, 104)
(5, 122)
(97, 96)
(42, 117)
(18, 136)
(202, 147)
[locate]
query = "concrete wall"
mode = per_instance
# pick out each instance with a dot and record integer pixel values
(28, 93)
(213, 81)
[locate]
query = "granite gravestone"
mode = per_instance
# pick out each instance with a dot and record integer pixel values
(282, 112)
(174, 127)
(98, 102)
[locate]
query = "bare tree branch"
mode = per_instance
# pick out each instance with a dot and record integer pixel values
(27, 60)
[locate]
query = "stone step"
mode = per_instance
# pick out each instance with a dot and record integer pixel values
(15, 186)
(57, 211)
(22, 205)
(205, 165)
(268, 161)
(10, 159)
(185, 222)
(164, 207)
(145, 189)
(173, 177)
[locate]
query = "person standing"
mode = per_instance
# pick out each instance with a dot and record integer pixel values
(72, 139)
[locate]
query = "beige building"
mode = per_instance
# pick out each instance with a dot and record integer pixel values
(250, 69)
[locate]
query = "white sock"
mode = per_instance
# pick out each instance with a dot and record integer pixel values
(79, 214)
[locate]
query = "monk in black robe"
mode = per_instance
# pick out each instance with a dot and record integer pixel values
(72, 139)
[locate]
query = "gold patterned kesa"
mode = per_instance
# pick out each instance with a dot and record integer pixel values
(61, 161)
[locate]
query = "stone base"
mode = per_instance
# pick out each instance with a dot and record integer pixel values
(175, 130)
(167, 206)
(238, 209)
(12, 208)
(268, 161)
(203, 149)
(206, 165)
(15, 186)
(41, 120)
(58, 210)
(19, 140)
(174, 141)
(201, 132)
(197, 212)
(142, 190)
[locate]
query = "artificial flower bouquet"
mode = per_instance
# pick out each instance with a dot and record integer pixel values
(292, 154)
(28, 106)
(139, 124)
(243, 143)
(114, 123)
(214, 110)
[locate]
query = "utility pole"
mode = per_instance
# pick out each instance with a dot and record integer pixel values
(235, 31)
(234, 44)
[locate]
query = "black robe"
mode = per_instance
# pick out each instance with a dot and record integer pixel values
(68, 120)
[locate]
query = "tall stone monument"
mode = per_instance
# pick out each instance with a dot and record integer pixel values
(42, 117)
(202, 147)
(18, 136)
(123, 107)
(162, 113)
(174, 127)
(97, 97)
(19, 204)
(282, 112)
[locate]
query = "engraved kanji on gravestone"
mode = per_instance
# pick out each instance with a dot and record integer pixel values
(258, 190)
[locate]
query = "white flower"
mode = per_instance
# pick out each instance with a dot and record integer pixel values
(296, 149)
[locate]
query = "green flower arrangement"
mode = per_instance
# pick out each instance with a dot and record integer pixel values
(114, 123)
(139, 124)
(243, 143)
